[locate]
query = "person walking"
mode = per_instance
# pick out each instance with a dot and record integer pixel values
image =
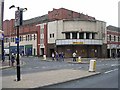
(53, 56)
(57, 56)
(12, 59)
(62, 56)
(74, 56)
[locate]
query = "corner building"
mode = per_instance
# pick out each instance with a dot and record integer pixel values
(85, 37)
(60, 30)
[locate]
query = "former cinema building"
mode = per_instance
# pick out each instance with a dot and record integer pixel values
(60, 30)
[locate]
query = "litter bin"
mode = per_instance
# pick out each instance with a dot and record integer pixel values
(92, 66)
(44, 57)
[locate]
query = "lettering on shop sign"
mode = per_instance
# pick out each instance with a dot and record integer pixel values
(78, 43)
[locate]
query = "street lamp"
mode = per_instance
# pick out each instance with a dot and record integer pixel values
(18, 22)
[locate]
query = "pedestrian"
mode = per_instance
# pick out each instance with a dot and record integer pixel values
(57, 56)
(62, 56)
(74, 56)
(53, 56)
(12, 59)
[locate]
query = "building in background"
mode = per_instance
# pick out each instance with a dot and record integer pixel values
(113, 41)
(60, 30)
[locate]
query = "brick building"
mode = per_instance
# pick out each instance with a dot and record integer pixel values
(113, 41)
(41, 35)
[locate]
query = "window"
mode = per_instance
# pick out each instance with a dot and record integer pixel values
(110, 37)
(118, 38)
(20, 38)
(87, 35)
(74, 35)
(13, 39)
(52, 35)
(93, 35)
(67, 35)
(26, 37)
(34, 36)
(114, 38)
(81, 35)
(30, 37)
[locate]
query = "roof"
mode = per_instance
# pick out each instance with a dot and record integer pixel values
(39, 19)
(113, 28)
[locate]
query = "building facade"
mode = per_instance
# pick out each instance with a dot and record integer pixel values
(60, 30)
(113, 41)
(85, 37)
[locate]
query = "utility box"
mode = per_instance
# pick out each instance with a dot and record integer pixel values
(92, 66)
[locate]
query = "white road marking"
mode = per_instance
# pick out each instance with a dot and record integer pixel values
(111, 70)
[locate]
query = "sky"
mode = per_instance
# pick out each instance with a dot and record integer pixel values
(104, 10)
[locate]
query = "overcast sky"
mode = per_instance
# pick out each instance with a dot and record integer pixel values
(105, 10)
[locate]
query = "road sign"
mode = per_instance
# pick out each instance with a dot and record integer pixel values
(1, 36)
(16, 40)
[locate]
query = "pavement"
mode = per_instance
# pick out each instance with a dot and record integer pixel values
(46, 78)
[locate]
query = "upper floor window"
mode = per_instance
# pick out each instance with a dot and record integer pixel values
(93, 35)
(74, 35)
(30, 37)
(81, 35)
(34, 36)
(118, 39)
(110, 37)
(114, 38)
(87, 35)
(52, 35)
(67, 35)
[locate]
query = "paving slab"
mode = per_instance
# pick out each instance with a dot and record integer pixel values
(45, 78)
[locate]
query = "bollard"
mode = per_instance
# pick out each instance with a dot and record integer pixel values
(92, 66)
(44, 57)
(79, 59)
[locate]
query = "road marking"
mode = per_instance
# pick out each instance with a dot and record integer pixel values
(111, 70)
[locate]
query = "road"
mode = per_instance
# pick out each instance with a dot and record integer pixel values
(104, 80)
(108, 68)
(34, 64)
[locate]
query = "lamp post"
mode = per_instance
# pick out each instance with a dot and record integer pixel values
(18, 22)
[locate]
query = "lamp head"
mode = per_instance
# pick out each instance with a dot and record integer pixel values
(13, 6)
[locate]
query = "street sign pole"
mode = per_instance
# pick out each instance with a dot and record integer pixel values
(18, 22)
(18, 61)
